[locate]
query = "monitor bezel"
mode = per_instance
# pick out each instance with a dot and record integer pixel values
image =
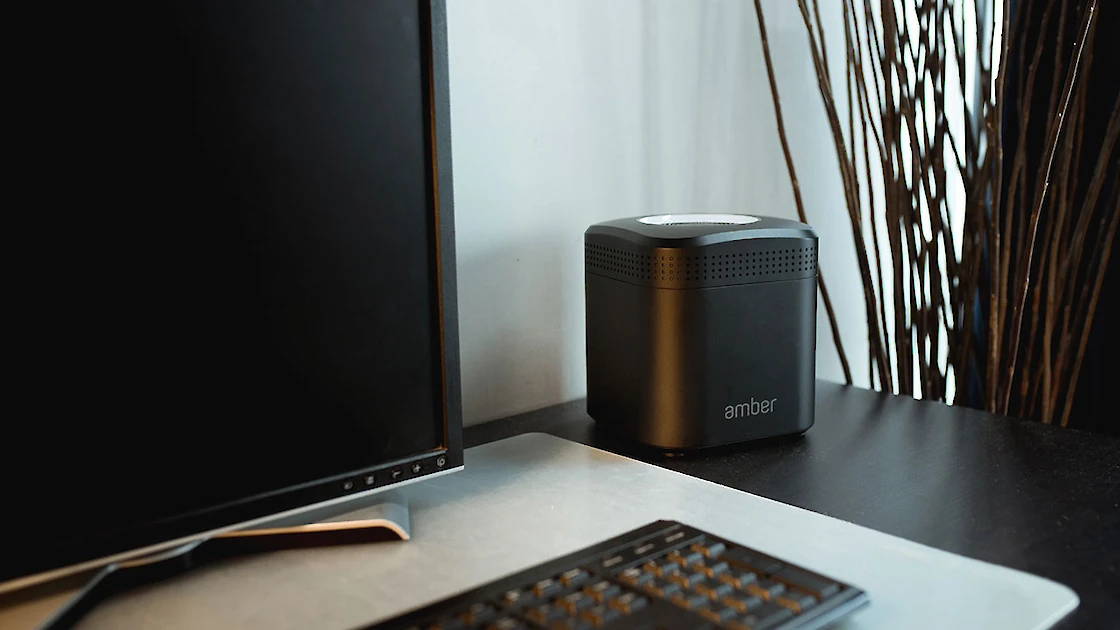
(329, 496)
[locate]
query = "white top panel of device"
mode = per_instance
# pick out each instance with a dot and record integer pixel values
(693, 219)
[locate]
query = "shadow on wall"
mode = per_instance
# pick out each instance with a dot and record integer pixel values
(517, 358)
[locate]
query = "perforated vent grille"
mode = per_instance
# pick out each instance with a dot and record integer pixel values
(719, 265)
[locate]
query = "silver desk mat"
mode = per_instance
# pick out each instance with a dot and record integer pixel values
(533, 497)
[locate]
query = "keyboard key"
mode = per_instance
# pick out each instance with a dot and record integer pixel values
(610, 564)
(545, 614)
(757, 562)
(546, 588)
(688, 580)
(765, 616)
(602, 591)
(686, 559)
(662, 588)
(517, 598)
(689, 600)
(709, 549)
(628, 603)
(574, 577)
(575, 602)
(766, 589)
(479, 613)
(719, 615)
(506, 623)
(712, 570)
(738, 579)
(600, 615)
(681, 535)
(806, 581)
(635, 576)
(715, 590)
(652, 547)
(742, 603)
(661, 568)
(797, 602)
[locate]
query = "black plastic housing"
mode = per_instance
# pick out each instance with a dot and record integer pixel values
(701, 334)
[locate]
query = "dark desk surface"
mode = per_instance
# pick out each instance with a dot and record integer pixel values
(1037, 498)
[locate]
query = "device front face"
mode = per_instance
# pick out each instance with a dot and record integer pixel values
(275, 328)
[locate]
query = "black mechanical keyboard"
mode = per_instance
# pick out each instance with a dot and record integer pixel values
(662, 575)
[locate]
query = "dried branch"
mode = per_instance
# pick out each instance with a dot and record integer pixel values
(797, 189)
(879, 349)
(995, 127)
(1084, 33)
(846, 172)
(1026, 242)
(1107, 251)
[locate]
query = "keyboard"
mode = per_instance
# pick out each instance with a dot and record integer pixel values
(663, 575)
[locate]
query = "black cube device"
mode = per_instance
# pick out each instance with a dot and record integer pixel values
(701, 328)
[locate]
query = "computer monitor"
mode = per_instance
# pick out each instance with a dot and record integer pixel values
(245, 306)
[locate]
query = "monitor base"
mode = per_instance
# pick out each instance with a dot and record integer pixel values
(385, 521)
(389, 513)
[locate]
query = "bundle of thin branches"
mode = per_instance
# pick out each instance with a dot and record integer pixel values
(996, 314)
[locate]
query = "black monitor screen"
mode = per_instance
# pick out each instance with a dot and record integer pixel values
(247, 299)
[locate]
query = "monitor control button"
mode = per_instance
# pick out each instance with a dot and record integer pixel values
(416, 467)
(396, 473)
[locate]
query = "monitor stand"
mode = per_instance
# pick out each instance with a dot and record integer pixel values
(387, 518)
(384, 521)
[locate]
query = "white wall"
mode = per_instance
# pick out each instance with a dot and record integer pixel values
(569, 112)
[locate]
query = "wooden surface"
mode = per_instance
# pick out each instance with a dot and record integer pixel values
(1037, 498)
